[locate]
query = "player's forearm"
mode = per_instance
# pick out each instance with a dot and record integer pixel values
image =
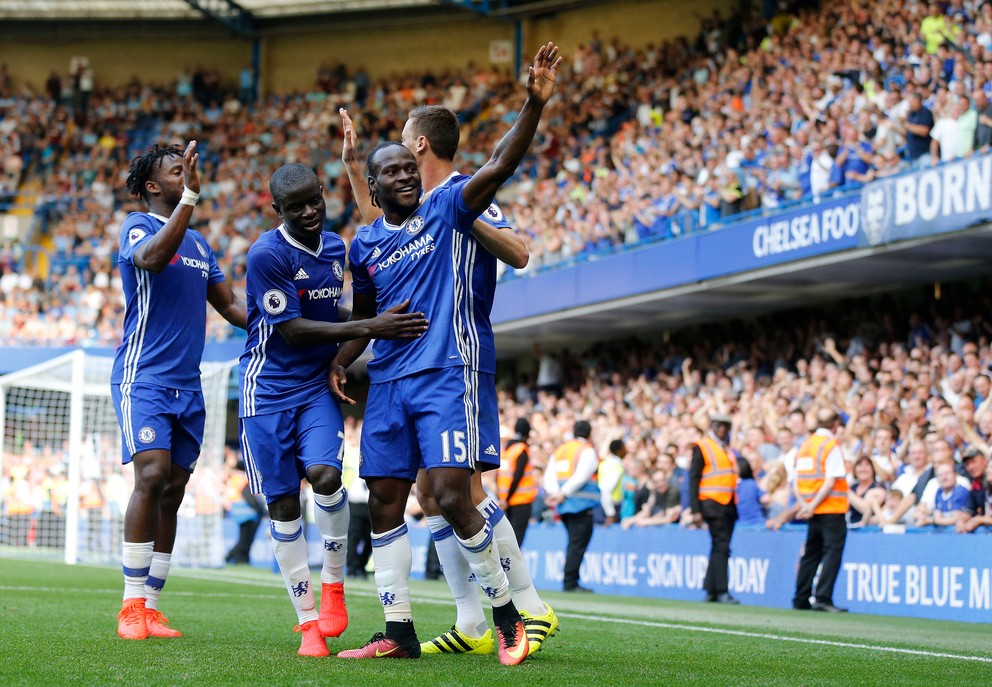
(360, 190)
(349, 351)
(508, 154)
(155, 254)
(503, 244)
(228, 304)
(303, 332)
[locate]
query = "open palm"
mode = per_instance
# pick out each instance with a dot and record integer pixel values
(544, 73)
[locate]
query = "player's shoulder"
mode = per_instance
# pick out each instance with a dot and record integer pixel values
(268, 239)
(268, 244)
(368, 232)
(331, 240)
(140, 220)
(138, 225)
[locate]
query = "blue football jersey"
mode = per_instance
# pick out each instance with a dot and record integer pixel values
(433, 260)
(286, 280)
(165, 316)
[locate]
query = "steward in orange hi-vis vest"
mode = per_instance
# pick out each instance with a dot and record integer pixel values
(719, 480)
(514, 461)
(810, 475)
(713, 500)
(820, 489)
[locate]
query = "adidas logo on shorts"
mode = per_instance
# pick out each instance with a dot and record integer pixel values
(301, 275)
(491, 451)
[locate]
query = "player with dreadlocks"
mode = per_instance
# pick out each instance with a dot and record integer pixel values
(168, 274)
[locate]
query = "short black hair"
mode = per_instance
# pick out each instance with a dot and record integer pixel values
(439, 125)
(616, 446)
(143, 166)
(371, 162)
(582, 429)
(522, 427)
(288, 179)
(744, 469)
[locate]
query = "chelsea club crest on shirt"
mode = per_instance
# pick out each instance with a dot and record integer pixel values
(274, 301)
(199, 247)
(415, 225)
(337, 270)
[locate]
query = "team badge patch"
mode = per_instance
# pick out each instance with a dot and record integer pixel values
(493, 213)
(146, 435)
(135, 235)
(274, 301)
(199, 247)
(337, 270)
(415, 225)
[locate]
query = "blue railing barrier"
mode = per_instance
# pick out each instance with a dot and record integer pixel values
(919, 204)
(920, 574)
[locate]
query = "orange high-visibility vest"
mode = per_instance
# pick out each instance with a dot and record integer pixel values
(566, 460)
(719, 480)
(235, 485)
(526, 490)
(811, 462)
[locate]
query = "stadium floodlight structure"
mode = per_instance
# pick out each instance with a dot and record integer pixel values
(62, 486)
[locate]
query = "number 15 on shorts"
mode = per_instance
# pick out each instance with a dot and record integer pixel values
(453, 442)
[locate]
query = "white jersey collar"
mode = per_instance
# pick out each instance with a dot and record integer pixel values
(296, 244)
(158, 217)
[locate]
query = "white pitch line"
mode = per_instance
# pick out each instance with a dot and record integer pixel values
(779, 638)
(579, 616)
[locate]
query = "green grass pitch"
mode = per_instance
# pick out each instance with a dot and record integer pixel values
(58, 622)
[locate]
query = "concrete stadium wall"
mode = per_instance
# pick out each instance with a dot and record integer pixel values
(290, 62)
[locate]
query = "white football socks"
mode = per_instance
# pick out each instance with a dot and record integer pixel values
(136, 560)
(483, 559)
(470, 619)
(393, 560)
(157, 574)
(331, 515)
(525, 595)
(290, 549)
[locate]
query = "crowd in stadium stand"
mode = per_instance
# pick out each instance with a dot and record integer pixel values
(911, 381)
(641, 145)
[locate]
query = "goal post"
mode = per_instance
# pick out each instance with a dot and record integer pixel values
(63, 490)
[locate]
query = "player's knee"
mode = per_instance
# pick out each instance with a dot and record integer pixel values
(428, 504)
(325, 482)
(151, 477)
(452, 503)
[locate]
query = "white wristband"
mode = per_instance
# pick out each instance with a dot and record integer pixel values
(189, 197)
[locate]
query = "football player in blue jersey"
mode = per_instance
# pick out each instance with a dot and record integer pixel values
(426, 395)
(168, 274)
(291, 426)
(431, 133)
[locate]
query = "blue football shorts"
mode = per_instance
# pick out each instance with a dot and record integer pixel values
(279, 447)
(154, 417)
(446, 417)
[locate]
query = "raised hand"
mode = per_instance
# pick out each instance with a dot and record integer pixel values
(191, 177)
(349, 150)
(397, 324)
(544, 73)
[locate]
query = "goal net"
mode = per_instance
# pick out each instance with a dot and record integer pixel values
(63, 490)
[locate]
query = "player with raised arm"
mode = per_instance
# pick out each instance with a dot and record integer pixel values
(291, 426)
(426, 396)
(168, 274)
(431, 133)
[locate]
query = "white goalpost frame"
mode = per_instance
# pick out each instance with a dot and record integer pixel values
(42, 378)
